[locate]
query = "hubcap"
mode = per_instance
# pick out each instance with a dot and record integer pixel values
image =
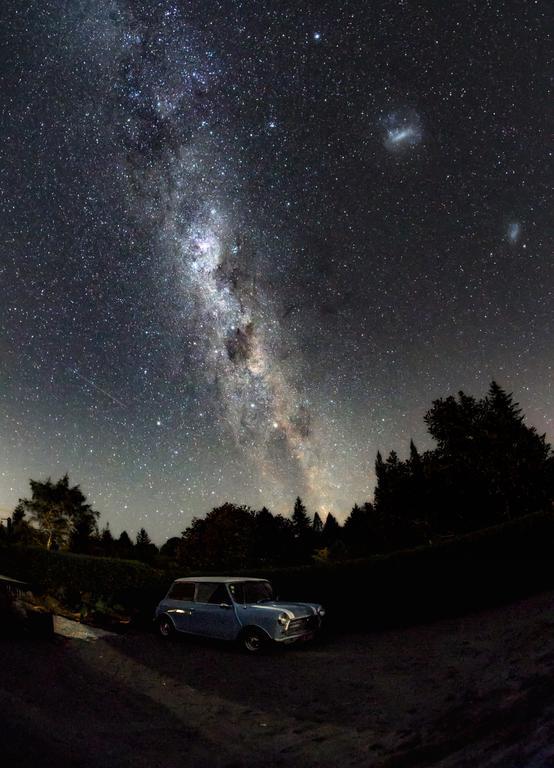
(253, 643)
(165, 629)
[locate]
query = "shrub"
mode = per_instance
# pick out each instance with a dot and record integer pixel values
(77, 579)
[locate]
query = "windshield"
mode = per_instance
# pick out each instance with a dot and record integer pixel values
(251, 591)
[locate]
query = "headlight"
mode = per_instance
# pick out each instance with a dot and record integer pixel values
(283, 620)
(321, 611)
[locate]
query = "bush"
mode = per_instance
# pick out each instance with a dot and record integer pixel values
(83, 580)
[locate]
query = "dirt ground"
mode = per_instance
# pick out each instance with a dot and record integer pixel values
(476, 691)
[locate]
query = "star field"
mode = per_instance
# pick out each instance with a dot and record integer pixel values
(244, 245)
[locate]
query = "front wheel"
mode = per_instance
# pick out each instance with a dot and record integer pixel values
(253, 641)
(165, 627)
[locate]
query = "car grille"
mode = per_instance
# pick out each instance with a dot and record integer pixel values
(306, 624)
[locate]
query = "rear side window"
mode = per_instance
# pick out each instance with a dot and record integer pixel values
(211, 593)
(181, 591)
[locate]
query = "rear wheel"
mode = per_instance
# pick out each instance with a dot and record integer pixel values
(253, 641)
(165, 627)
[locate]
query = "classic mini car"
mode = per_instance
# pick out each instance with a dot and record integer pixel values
(234, 608)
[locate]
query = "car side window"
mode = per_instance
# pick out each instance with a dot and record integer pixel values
(237, 591)
(181, 591)
(204, 592)
(220, 595)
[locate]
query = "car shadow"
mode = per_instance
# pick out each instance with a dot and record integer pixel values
(295, 679)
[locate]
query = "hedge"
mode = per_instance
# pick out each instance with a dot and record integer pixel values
(72, 578)
(469, 572)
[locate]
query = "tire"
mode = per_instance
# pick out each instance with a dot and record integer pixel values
(253, 641)
(165, 627)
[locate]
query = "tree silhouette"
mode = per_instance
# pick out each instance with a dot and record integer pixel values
(172, 548)
(18, 529)
(223, 539)
(145, 550)
(361, 532)
(300, 519)
(18, 514)
(107, 543)
(143, 539)
(59, 511)
(317, 525)
(124, 547)
(302, 531)
(331, 530)
(317, 532)
(488, 466)
(271, 538)
(394, 502)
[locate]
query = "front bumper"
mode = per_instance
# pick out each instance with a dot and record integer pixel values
(302, 637)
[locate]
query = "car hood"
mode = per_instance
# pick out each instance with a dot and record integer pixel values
(293, 610)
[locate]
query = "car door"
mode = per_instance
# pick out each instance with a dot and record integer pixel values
(214, 613)
(179, 604)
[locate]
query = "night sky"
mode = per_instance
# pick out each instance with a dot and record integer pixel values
(245, 244)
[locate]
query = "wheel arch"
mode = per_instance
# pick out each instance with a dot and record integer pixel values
(248, 627)
(165, 615)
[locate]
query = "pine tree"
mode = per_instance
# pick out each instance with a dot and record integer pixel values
(107, 543)
(361, 532)
(502, 404)
(317, 525)
(124, 547)
(303, 532)
(331, 530)
(143, 539)
(300, 518)
(18, 529)
(415, 458)
(145, 550)
(18, 514)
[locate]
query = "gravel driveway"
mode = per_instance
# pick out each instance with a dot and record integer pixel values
(477, 691)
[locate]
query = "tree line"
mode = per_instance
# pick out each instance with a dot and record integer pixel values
(487, 467)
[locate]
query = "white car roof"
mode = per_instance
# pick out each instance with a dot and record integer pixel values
(216, 579)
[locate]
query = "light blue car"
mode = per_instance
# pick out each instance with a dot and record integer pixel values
(235, 608)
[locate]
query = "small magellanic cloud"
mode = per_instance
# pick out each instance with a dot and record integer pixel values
(514, 231)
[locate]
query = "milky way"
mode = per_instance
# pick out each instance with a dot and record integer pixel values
(171, 86)
(246, 244)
